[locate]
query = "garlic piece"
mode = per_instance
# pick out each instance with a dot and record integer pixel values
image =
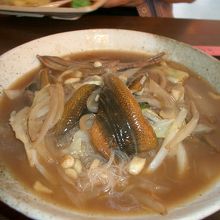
(71, 173)
(95, 163)
(67, 161)
(97, 64)
(38, 186)
(78, 166)
(136, 165)
(71, 80)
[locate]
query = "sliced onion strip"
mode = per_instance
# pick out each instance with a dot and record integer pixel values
(150, 201)
(162, 153)
(186, 130)
(47, 124)
(182, 159)
(41, 168)
(13, 93)
(158, 91)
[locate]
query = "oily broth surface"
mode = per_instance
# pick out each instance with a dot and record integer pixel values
(204, 160)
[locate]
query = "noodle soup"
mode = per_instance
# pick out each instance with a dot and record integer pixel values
(117, 133)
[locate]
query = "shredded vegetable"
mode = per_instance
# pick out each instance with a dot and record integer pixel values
(80, 3)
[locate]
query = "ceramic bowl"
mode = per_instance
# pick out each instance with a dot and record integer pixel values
(22, 59)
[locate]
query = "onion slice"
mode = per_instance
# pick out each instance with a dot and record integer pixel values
(150, 201)
(162, 94)
(52, 99)
(176, 134)
(13, 93)
(182, 159)
(18, 121)
(43, 171)
(186, 130)
(162, 153)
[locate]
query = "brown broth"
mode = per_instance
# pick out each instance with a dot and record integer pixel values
(204, 160)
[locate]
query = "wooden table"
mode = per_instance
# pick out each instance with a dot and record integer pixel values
(15, 31)
(18, 30)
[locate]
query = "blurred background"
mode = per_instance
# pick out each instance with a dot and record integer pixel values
(199, 9)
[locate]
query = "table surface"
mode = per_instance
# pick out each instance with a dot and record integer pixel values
(18, 30)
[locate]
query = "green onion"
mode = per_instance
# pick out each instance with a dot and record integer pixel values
(144, 105)
(80, 3)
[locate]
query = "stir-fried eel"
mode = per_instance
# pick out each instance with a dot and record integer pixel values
(143, 131)
(74, 108)
(136, 84)
(119, 124)
(142, 63)
(115, 119)
(101, 135)
(55, 63)
(60, 64)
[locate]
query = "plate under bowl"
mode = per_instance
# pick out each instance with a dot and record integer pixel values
(54, 12)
